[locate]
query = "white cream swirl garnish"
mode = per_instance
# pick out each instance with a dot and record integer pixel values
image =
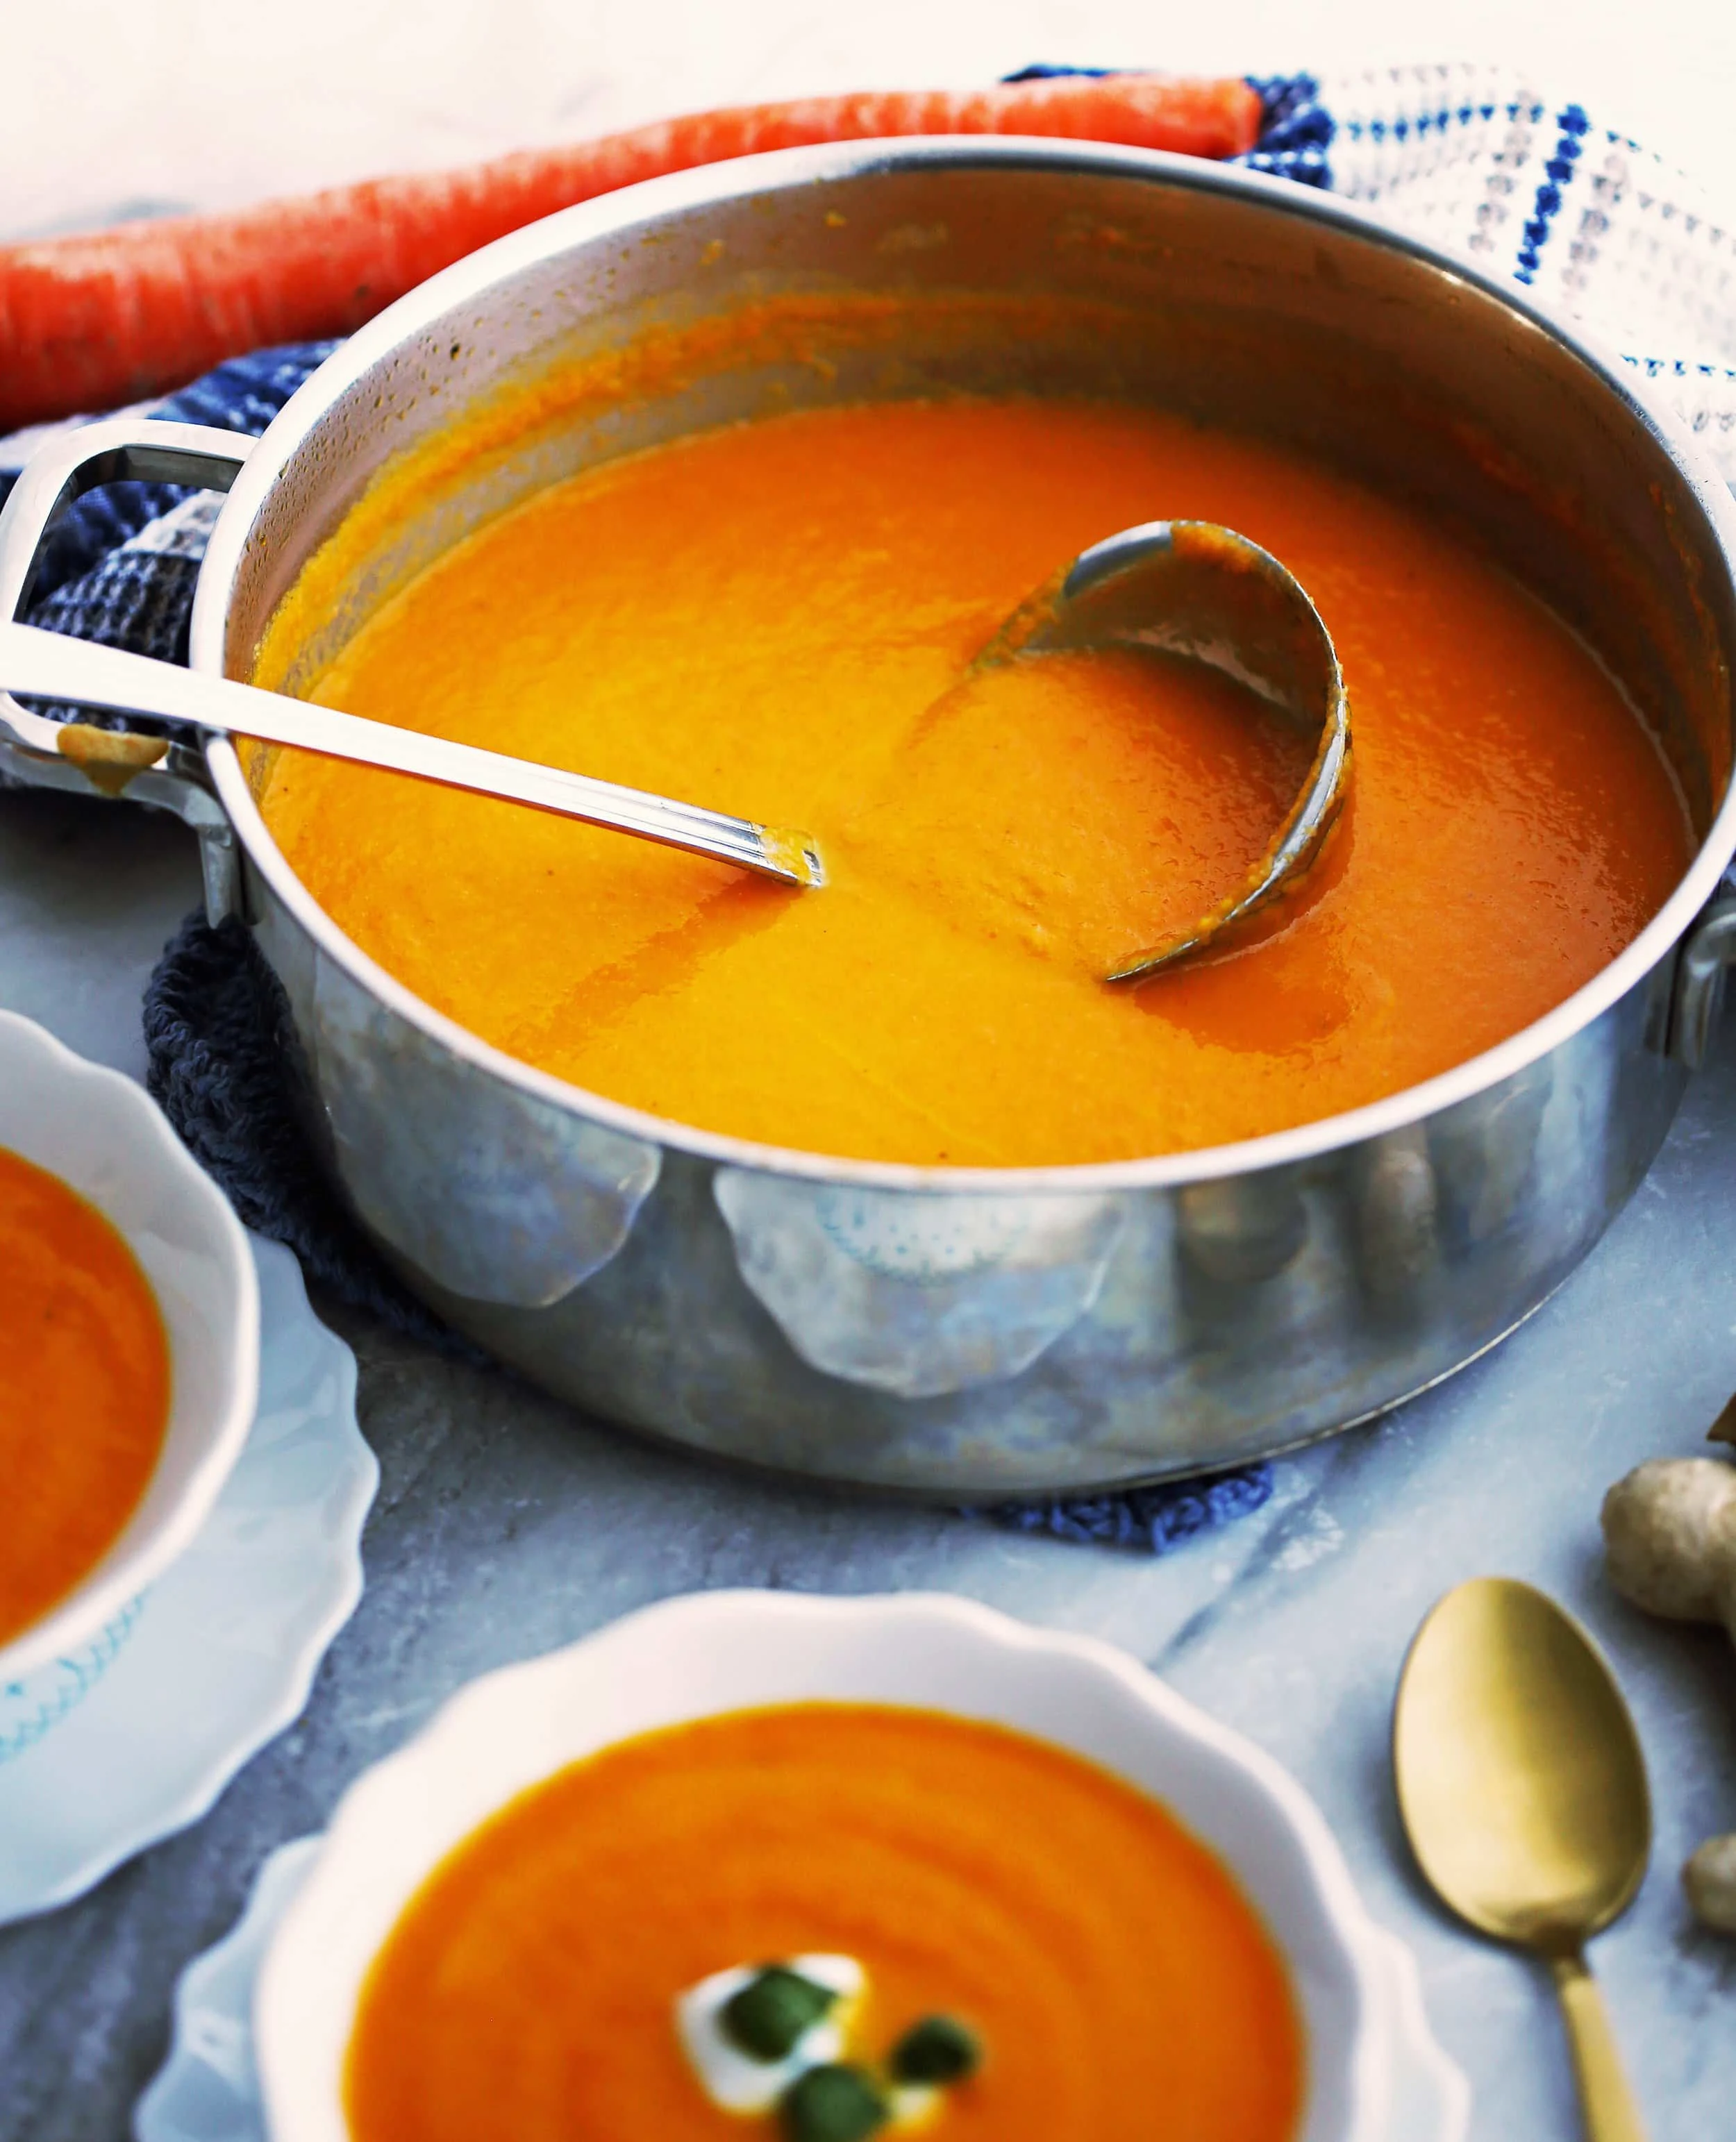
(735, 2080)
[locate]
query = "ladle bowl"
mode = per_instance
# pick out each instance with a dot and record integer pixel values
(1194, 589)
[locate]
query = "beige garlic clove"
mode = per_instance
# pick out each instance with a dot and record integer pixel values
(1709, 1877)
(1669, 1530)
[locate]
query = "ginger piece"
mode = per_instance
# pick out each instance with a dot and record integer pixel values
(1669, 1532)
(1670, 1535)
(1709, 1877)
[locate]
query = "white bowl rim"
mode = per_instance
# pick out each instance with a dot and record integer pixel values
(133, 1563)
(300, 2094)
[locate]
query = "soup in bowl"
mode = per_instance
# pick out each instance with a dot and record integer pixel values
(975, 1879)
(130, 1367)
(780, 617)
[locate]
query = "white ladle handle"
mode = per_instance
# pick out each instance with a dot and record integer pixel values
(50, 665)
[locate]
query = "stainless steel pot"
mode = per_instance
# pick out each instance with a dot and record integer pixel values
(960, 1332)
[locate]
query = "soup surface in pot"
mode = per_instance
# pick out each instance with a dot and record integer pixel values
(1106, 1963)
(775, 618)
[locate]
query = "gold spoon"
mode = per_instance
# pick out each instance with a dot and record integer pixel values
(1522, 1788)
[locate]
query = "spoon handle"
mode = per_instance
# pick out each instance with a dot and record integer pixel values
(51, 665)
(1610, 2113)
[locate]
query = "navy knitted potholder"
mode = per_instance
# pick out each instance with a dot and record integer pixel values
(214, 1014)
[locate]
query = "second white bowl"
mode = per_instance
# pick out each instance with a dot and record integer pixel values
(105, 1138)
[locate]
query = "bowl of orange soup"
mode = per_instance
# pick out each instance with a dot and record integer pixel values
(1022, 1890)
(716, 486)
(129, 1369)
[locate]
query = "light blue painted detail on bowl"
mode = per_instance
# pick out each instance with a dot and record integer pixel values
(31, 1707)
(224, 1659)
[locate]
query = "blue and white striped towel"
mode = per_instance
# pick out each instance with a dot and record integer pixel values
(1484, 162)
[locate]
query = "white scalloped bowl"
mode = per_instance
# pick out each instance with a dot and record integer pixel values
(106, 1137)
(728, 1650)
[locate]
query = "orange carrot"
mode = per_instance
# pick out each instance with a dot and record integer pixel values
(91, 321)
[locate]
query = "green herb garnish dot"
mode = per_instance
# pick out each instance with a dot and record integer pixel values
(772, 2010)
(937, 2049)
(833, 2104)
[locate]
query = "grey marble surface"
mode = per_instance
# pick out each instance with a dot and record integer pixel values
(505, 1525)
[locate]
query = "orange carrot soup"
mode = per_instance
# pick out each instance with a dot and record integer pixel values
(84, 1389)
(777, 618)
(827, 1921)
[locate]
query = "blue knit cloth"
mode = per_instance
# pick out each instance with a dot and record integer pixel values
(215, 1019)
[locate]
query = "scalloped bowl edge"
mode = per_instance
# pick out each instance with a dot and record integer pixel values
(713, 1652)
(104, 1136)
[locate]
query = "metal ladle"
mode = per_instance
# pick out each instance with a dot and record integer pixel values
(53, 666)
(1194, 589)
(50, 665)
(1188, 587)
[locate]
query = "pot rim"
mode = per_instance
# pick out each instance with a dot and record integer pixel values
(659, 1667)
(787, 171)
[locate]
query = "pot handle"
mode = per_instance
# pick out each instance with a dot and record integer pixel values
(1706, 953)
(108, 763)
